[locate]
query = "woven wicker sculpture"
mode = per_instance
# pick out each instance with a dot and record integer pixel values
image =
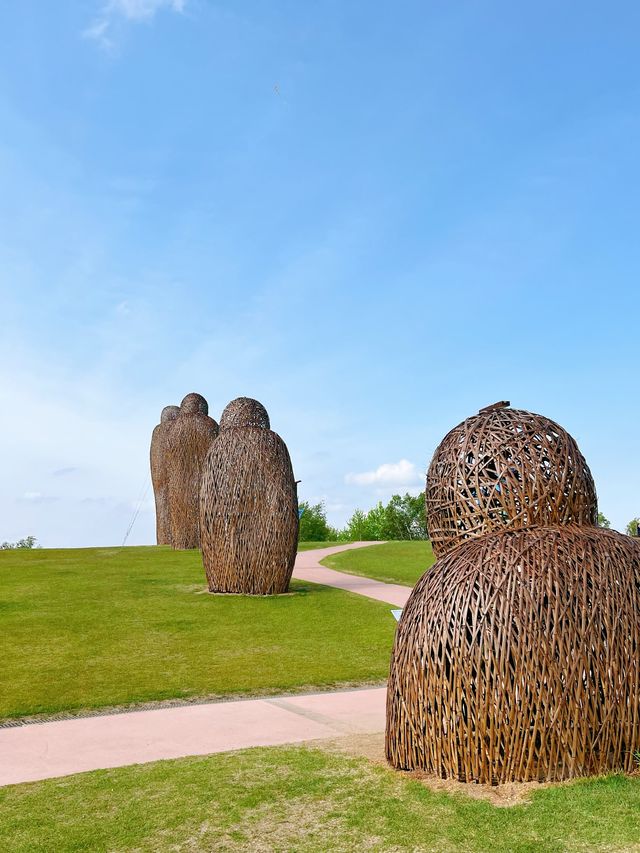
(188, 444)
(158, 454)
(517, 658)
(248, 505)
(505, 468)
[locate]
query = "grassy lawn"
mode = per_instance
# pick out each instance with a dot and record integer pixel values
(89, 628)
(393, 562)
(295, 798)
(309, 546)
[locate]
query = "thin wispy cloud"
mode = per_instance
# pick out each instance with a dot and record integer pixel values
(103, 29)
(402, 473)
(63, 472)
(38, 498)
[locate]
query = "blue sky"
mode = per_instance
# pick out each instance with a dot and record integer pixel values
(375, 218)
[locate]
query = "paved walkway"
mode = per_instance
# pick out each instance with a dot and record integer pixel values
(308, 568)
(44, 750)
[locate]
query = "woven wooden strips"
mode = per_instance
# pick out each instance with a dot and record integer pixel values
(244, 412)
(158, 457)
(188, 442)
(248, 513)
(505, 468)
(517, 658)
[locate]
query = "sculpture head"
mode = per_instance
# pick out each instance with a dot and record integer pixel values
(169, 413)
(244, 412)
(194, 404)
(505, 468)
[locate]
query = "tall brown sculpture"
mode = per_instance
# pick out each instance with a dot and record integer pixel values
(248, 505)
(188, 444)
(517, 658)
(505, 468)
(158, 455)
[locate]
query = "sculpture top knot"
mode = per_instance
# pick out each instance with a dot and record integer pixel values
(505, 468)
(244, 412)
(169, 413)
(194, 404)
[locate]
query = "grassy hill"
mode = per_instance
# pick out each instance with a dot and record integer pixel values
(393, 562)
(97, 627)
(304, 799)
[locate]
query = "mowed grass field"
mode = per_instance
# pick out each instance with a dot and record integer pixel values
(309, 546)
(101, 627)
(392, 562)
(302, 799)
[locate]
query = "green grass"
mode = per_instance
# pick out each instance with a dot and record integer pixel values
(299, 799)
(308, 546)
(393, 562)
(89, 628)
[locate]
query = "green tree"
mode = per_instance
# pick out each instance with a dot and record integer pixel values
(358, 528)
(405, 518)
(402, 518)
(603, 521)
(27, 542)
(632, 527)
(313, 523)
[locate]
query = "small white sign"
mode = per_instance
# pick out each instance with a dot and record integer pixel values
(397, 614)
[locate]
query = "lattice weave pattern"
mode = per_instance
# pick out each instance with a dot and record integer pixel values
(158, 459)
(244, 412)
(248, 513)
(517, 658)
(505, 468)
(188, 443)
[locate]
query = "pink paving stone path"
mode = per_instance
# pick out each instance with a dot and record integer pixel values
(308, 568)
(45, 750)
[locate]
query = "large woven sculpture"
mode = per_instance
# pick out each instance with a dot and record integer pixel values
(248, 505)
(158, 455)
(505, 468)
(188, 444)
(517, 658)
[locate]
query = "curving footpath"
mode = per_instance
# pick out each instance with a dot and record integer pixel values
(44, 750)
(308, 568)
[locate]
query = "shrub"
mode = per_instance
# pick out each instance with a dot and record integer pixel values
(28, 542)
(313, 524)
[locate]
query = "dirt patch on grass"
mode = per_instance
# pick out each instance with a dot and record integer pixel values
(371, 747)
(303, 823)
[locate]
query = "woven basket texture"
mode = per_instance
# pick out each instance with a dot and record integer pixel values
(244, 412)
(188, 443)
(505, 468)
(517, 658)
(248, 513)
(158, 458)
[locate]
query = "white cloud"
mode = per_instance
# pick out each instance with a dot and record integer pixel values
(114, 12)
(402, 473)
(139, 10)
(38, 498)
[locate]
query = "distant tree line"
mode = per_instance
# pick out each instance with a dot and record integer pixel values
(631, 528)
(402, 518)
(27, 542)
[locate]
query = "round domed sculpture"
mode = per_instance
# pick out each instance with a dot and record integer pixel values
(517, 658)
(188, 443)
(505, 468)
(244, 412)
(248, 505)
(158, 458)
